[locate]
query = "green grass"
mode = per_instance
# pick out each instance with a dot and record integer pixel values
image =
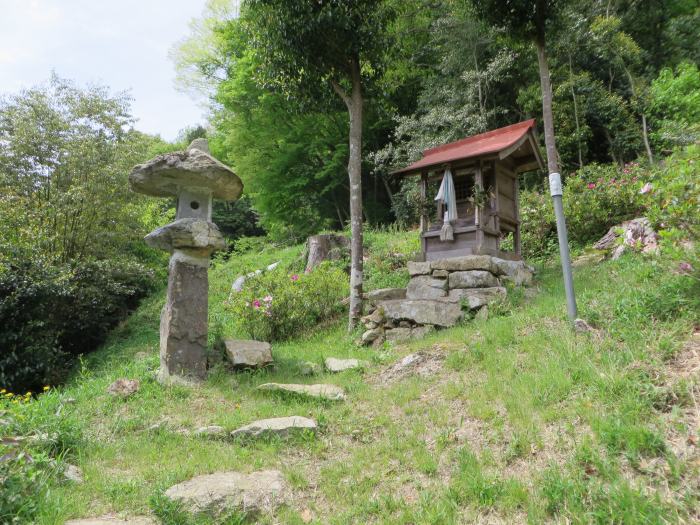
(526, 422)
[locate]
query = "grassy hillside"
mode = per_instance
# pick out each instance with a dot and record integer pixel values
(513, 419)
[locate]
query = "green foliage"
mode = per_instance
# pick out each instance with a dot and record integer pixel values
(303, 45)
(673, 202)
(30, 463)
(52, 312)
(64, 158)
(25, 480)
(275, 306)
(675, 102)
(598, 197)
(70, 229)
(303, 184)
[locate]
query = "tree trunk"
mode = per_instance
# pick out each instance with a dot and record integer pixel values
(547, 116)
(354, 105)
(578, 128)
(645, 136)
(325, 247)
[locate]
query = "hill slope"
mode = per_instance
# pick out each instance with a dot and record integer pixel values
(506, 420)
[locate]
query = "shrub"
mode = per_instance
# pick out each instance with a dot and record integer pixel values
(50, 313)
(675, 106)
(598, 197)
(276, 305)
(673, 197)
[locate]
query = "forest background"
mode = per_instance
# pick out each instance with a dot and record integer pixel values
(72, 261)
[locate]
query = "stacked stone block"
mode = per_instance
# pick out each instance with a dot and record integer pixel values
(438, 295)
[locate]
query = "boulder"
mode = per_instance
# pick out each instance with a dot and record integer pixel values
(123, 387)
(418, 332)
(519, 273)
(426, 287)
(243, 353)
(386, 294)
(439, 313)
(418, 268)
(375, 319)
(113, 520)
(441, 274)
(464, 263)
(276, 426)
(371, 335)
(398, 335)
(321, 391)
(225, 492)
(340, 365)
(472, 279)
(477, 297)
(482, 314)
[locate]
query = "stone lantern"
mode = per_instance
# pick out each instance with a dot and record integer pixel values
(195, 178)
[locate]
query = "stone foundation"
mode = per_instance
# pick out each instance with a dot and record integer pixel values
(439, 295)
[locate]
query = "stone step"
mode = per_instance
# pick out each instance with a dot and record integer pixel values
(333, 364)
(276, 426)
(320, 391)
(243, 353)
(225, 492)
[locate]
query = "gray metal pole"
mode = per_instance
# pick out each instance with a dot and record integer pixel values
(555, 190)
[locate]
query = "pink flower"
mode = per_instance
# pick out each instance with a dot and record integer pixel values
(685, 267)
(267, 298)
(646, 188)
(294, 277)
(256, 304)
(591, 185)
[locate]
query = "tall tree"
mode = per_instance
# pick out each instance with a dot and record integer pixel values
(527, 19)
(310, 46)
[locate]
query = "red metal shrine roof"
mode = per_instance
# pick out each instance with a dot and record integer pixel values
(516, 138)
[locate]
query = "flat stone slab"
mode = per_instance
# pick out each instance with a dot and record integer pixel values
(225, 492)
(517, 272)
(276, 426)
(440, 312)
(418, 268)
(465, 263)
(478, 297)
(334, 364)
(320, 391)
(473, 279)
(426, 287)
(243, 353)
(113, 520)
(386, 294)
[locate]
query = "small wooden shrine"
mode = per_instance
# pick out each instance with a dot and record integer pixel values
(477, 204)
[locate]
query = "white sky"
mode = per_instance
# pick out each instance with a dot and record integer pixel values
(122, 44)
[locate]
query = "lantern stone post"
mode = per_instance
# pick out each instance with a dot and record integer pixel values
(195, 178)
